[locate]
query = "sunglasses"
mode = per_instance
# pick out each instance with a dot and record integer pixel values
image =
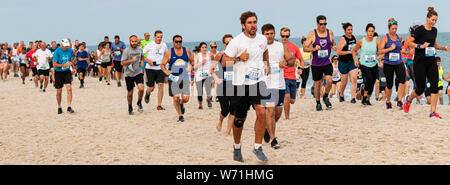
(285, 36)
(393, 22)
(226, 43)
(178, 41)
(322, 24)
(213, 46)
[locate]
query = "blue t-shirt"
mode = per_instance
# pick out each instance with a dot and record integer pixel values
(118, 53)
(53, 50)
(62, 57)
(82, 64)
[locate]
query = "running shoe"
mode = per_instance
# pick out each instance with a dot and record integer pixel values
(341, 99)
(388, 105)
(180, 119)
(70, 110)
(327, 102)
(182, 108)
(400, 104)
(353, 101)
(368, 102)
(406, 105)
(436, 115)
(217, 99)
(200, 108)
(43, 90)
(119, 84)
(274, 144)
(23, 83)
(319, 107)
(260, 154)
(209, 104)
(108, 83)
(160, 108)
(140, 108)
(237, 155)
(60, 111)
(130, 111)
(147, 97)
(266, 136)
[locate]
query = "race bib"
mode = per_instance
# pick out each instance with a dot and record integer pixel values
(173, 78)
(370, 58)
(394, 57)
(216, 68)
(322, 53)
(383, 79)
(359, 81)
(117, 52)
(307, 62)
(253, 73)
(430, 51)
(228, 76)
(274, 67)
(351, 46)
(336, 78)
(204, 73)
(428, 85)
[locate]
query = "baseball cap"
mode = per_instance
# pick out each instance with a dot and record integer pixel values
(65, 42)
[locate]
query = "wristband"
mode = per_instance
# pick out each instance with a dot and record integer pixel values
(418, 46)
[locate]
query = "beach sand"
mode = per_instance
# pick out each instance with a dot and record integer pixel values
(102, 132)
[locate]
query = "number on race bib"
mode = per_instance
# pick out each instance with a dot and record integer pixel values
(370, 58)
(350, 47)
(430, 51)
(394, 57)
(383, 79)
(359, 81)
(228, 76)
(274, 67)
(204, 73)
(322, 53)
(253, 74)
(117, 52)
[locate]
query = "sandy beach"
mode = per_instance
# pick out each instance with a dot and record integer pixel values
(101, 131)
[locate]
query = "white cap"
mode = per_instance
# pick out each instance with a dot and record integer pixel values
(65, 42)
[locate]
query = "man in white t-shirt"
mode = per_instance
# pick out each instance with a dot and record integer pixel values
(155, 53)
(279, 57)
(249, 51)
(42, 57)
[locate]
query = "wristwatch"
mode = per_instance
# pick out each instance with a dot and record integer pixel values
(238, 59)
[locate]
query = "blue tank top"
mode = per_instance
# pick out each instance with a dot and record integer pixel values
(178, 64)
(322, 56)
(393, 57)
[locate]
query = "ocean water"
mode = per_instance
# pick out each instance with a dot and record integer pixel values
(443, 39)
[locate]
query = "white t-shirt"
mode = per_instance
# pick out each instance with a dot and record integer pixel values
(251, 71)
(42, 58)
(155, 52)
(203, 71)
(99, 58)
(275, 80)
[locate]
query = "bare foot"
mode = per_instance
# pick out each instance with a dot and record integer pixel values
(219, 126)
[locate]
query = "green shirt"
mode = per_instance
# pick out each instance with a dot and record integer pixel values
(143, 43)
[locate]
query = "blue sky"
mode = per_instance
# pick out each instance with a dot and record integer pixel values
(199, 20)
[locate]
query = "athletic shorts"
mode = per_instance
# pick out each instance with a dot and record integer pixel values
(291, 87)
(50, 64)
(248, 95)
(346, 67)
(131, 81)
(448, 89)
(62, 78)
(441, 88)
(81, 70)
(335, 82)
(34, 70)
(154, 76)
(180, 87)
(319, 71)
(117, 66)
(44, 72)
(106, 64)
(275, 98)
(23, 65)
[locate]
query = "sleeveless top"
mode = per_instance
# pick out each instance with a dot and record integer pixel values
(322, 57)
(350, 44)
(179, 64)
(368, 53)
(336, 77)
(393, 57)
(107, 57)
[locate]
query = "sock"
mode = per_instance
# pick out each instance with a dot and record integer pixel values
(82, 81)
(257, 146)
(237, 146)
(325, 95)
(130, 106)
(139, 102)
(318, 101)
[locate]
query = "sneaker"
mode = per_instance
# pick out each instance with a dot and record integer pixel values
(130, 111)
(406, 105)
(60, 111)
(400, 104)
(40, 87)
(388, 105)
(353, 101)
(436, 115)
(200, 108)
(217, 99)
(209, 104)
(266, 136)
(70, 110)
(363, 101)
(108, 83)
(81, 86)
(237, 155)
(147, 97)
(319, 107)
(368, 102)
(140, 108)
(180, 119)
(23, 83)
(182, 108)
(160, 108)
(43, 90)
(341, 99)
(327, 102)
(119, 84)
(274, 144)
(260, 154)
